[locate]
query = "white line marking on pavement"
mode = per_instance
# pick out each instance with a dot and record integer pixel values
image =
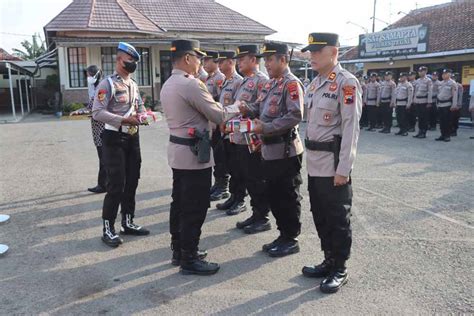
(444, 217)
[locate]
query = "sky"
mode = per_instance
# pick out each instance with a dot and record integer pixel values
(293, 20)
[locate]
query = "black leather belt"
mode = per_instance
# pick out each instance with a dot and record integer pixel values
(445, 101)
(406, 99)
(319, 146)
(385, 99)
(421, 96)
(369, 99)
(269, 140)
(183, 141)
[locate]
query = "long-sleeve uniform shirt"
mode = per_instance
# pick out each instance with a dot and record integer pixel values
(386, 92)
(404, 94)
(435, 90)
(248, 92)
(448, 94)
(372, 93)
(113, 100)
(335, 109)
(188, 104)
(280, 108)
(214, 83)
(423, 91)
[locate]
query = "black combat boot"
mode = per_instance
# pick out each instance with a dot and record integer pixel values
(237, 208)
(322, 270)
(227, 204)
(221, 191)
(109, 237)
(273, 244)
(97, 189)
(129, 228)
(258, 226)
(191, 264)
(286, 247)
(336, 278)
(245, 223)
(176, 259)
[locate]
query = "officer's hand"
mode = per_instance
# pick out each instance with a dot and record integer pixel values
(257, 126)
(453, 109)
(222, 128)
(428, 105)
(244, 110)
(131, 120)
(340, 180)
(471, 109)
(258, 147)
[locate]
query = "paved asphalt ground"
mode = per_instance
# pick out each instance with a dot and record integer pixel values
(413, 228)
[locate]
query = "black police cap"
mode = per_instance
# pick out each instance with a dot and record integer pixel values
(447, 70)
(423, 68)
(246, 50)
(317, 41)
(435, 73)
(228, 54)
(272, 48)
(412, 73)
(388, 73)
(186, 46)
(403, 74)
(373, 74)
(212, 54)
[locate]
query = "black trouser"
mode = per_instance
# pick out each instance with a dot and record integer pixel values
(401, 112)
(411, 116)
(191, 189)
(102, 176)
(220, 168)
(283, 180)
(445, 120)
(372, 114)
(364, 118)
(423, 115)
(433, 114)
(455, 116)
(122, 161)
(237, 155)
(256, 185)
(379, 115)
(386, 112)
(331, 209)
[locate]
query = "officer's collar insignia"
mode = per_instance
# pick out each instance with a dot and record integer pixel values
(332, 76)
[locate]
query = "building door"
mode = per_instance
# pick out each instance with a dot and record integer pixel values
(165, 65)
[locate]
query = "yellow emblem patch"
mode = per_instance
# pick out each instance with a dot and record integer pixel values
(310, 39)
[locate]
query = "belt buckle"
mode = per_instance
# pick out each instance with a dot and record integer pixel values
(132, 130)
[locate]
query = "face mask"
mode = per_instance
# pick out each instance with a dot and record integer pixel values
(130, 66)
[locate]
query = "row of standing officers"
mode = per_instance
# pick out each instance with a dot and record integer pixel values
(426, 99)
(265, 159)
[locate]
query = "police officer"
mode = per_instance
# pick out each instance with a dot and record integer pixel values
(364, 120)
(280, 107)
(433, 115)
(422, 101)
(116, 104)
(411, 111)
(386, 101)
(250, 161)
(370, 101)
(227, 97)
(447, 103)
(456, 114)
(214, 81)
(403, 100)
(331, 144)
(189, 108)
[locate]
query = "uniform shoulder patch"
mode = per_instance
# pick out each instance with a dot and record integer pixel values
(101, 94)
(293, 90)
(349, 93)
